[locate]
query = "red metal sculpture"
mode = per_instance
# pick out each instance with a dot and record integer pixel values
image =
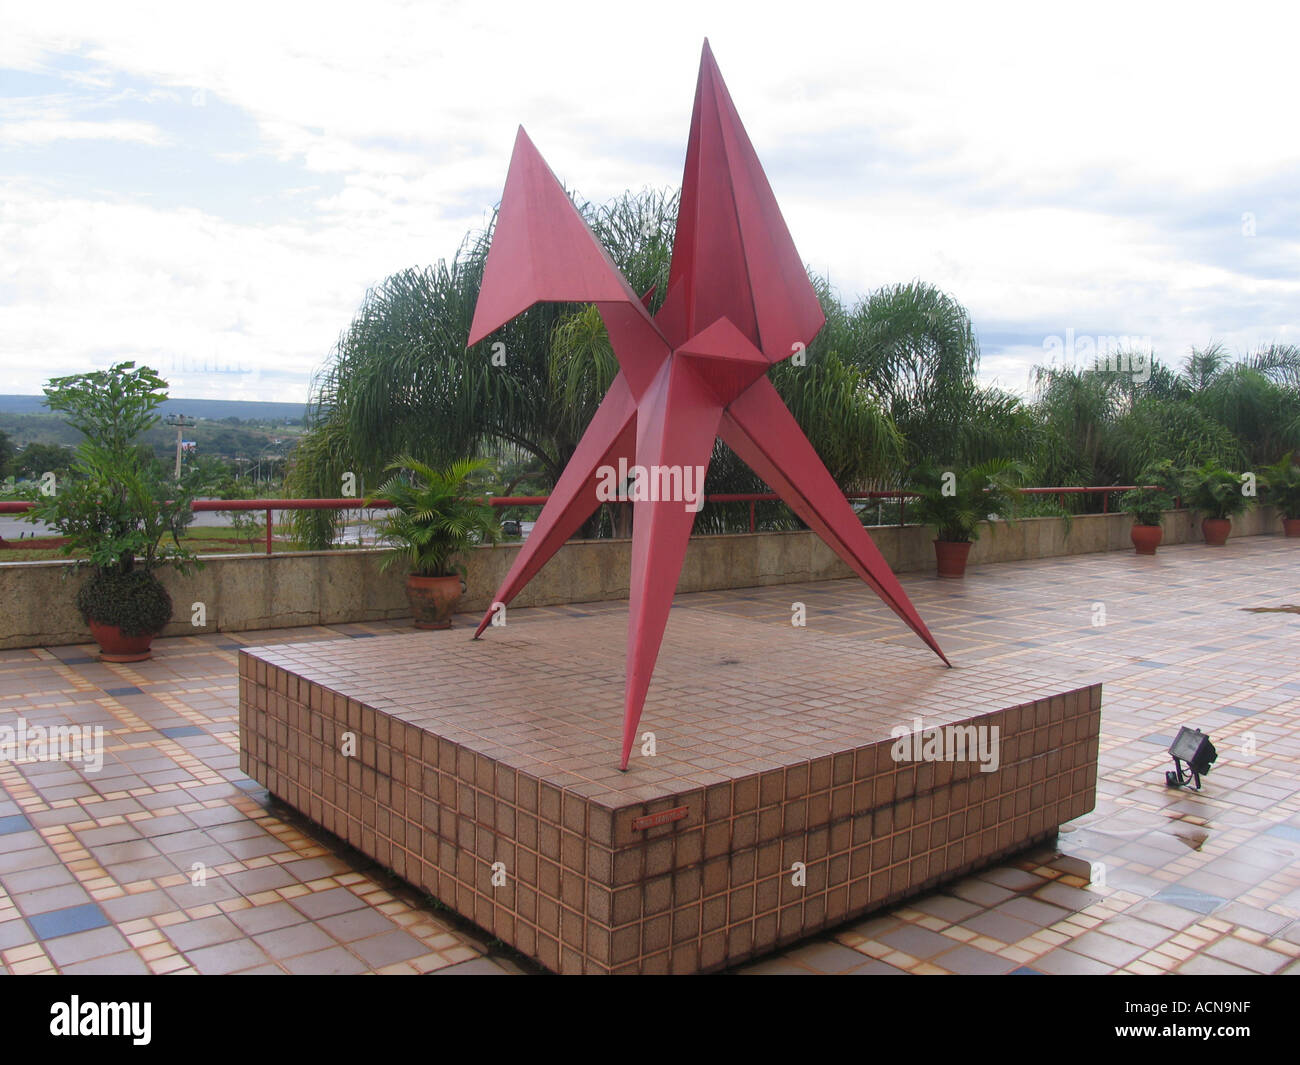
(738, 302)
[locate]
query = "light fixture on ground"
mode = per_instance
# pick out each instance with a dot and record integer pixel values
(1193, 755)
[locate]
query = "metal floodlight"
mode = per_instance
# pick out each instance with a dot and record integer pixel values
(1193, 755)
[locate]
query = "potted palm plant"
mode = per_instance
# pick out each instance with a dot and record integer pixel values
(430, 523)
(117, 508)
(1282, 485)
(1147, 504)
(1217, 494)
(955, 502)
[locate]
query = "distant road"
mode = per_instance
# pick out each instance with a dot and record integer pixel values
(12, 526)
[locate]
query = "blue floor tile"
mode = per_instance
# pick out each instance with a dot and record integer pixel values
(1190, 899)
(129, 690)
(182, 730)
(14, 823)
(64, 922)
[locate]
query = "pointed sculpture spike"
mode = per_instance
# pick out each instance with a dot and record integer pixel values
(733, 255)
(676, 426)
(757, 427)
(609, 437)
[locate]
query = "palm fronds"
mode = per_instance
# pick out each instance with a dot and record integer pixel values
(431, 521)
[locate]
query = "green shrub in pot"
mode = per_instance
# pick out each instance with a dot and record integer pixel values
(119, 511)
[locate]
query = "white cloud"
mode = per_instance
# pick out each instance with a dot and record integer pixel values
(992, 121)
(45, 131)
(91, 281)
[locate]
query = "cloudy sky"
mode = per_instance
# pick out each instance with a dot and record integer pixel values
(212, 188)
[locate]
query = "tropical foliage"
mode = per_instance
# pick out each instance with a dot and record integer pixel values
(1156, 493)
(1216, 492)
(891, 384)
(1104, 426)
(955, 502)
(116, 506)
(431, 521)
(1282, 486)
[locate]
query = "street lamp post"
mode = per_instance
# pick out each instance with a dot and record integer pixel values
(182, 423)
(262, 456)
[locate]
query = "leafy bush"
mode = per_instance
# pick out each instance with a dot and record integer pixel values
(116, 505)
(1214, 491)
(1282, 486)
(135, 602)
(118, 521)
(955, 502)
(431, 522)
(1155, 495)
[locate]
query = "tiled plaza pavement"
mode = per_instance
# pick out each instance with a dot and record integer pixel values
(98, 870)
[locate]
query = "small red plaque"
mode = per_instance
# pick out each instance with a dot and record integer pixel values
(640, 824)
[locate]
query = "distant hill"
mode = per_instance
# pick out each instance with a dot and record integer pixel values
(215, 409)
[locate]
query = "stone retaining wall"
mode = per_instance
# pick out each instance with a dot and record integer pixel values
(242, 592)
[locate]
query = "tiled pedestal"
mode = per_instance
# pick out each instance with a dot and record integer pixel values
(486, 773)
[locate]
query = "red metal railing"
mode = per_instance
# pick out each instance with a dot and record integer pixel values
(752, 498)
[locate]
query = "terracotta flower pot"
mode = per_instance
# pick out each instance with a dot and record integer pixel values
(1216, 531)
(433, 600)
(114, 646)
(1291, 526)
(951, 557)
(1146, 538)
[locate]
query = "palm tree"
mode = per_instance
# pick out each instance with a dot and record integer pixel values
(1154, 430)
(1105, 428)
(402, 382)
(1261, 414)
(885, 382)
(1203, 365)
(915, 347)
(1256, 398)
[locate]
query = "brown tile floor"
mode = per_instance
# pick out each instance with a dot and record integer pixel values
(169, 860)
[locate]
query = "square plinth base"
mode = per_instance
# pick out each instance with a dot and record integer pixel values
(769, 795)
